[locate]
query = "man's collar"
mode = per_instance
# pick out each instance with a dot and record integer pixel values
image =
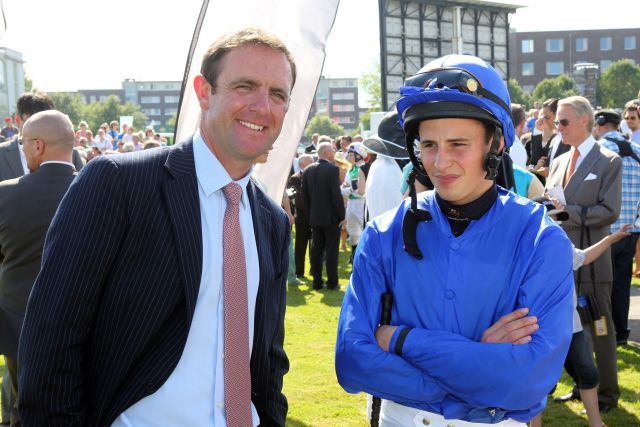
(57, 162)
(211, 175)
(586, 146)
(472, 210)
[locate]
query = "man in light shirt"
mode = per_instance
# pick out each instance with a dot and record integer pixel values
(124, 343)
(590, 175)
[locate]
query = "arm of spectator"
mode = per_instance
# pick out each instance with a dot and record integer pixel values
(336, 195)
(593, 252)
(287, 208)
(77, 255)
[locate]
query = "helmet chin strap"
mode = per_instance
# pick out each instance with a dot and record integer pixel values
(493, 159)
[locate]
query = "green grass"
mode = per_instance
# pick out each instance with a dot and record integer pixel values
(316, 399)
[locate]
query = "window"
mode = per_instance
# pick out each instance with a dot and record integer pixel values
(527, 69)
(582, 44)
(152, 111)
(604, 64)
(555, 68)
(2, 79)
(555, 45)
(171, 99)
(348, 119)
(343, 96)
(149, 99)
(170, 111)
(629, 42)
(342, 107)
(605, 43)
(527, 46)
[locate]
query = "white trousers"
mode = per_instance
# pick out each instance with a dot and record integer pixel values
(395, 415)
(355, 220)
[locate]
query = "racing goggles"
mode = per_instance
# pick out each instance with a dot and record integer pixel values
(455, 78)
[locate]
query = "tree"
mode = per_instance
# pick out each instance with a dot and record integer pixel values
(71, 105)
(557, 87)
(28, 83)
(103, 112)
(365, 122)
(619, 83)
(140, 119)
(370, 82)
(324, 126)
(517, 95)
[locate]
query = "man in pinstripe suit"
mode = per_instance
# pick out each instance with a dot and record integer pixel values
(112, 341)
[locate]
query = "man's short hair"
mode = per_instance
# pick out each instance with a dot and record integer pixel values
(582, 107)
(215, 53)
(113, 122)
(517, 114)
(632, 106)
(33, 102)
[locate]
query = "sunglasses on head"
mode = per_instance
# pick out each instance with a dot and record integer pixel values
(454, 78)
(563, 122)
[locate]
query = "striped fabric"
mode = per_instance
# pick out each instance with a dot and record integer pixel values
(630, 183)
(111, 309)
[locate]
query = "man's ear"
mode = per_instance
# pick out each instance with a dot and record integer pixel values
(203, 90)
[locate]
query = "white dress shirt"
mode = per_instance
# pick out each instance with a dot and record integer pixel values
(518, 153)
(584, 149)
(23, 160)
(193, 395)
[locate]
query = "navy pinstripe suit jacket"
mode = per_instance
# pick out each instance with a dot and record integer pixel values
(109, 314)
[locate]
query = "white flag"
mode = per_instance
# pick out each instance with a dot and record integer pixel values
(304, 26)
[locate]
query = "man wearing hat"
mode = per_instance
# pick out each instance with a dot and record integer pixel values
(385, 176)
(8, 131)
(606, 130)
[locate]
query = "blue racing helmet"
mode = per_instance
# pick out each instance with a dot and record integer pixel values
(455, 86)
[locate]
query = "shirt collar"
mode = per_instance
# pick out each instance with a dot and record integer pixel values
(212, 176)
(586, 146)
(472, 210)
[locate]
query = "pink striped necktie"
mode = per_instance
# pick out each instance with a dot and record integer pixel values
(237, 377)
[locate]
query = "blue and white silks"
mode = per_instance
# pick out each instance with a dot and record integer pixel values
(513, 257)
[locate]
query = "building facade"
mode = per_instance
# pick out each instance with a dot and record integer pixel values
(338, 99)
(535, 56)
(415, 32)
(11, 80)
(159, 100)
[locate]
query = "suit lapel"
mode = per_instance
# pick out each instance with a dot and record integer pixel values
(581, 171)
(183, 207)
(261, 216)
(13, 158)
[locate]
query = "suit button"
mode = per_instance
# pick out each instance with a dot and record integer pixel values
(455, 246)
(449, 294)
(426, 421)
